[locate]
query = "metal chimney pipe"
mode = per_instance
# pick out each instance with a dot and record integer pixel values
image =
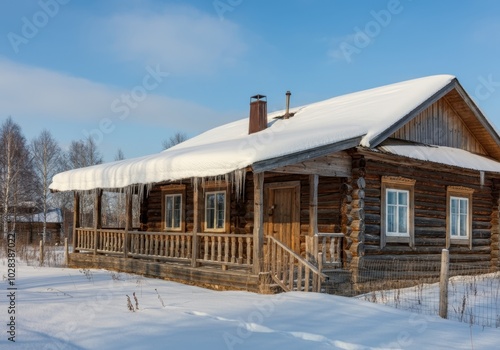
(287, 113)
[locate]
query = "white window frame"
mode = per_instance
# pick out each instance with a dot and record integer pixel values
(215, 228)
(397, 218)
(172, 227)
(459, 193)
(397, 183)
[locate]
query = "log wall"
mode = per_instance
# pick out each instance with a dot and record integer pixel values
(430, 215)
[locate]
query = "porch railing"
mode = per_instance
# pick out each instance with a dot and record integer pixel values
(330, 245)
(291, 271)
(226, 249)
(210, 248)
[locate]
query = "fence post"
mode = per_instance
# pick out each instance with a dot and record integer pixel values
(41, 252)
(66, 252)
(443, 283)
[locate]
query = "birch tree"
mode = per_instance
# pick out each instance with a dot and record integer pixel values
(14, 172)
(47, 162)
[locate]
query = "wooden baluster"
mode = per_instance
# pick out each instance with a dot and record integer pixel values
(299, 277)
(167, 245)
(306, 275)
(333, 250)
(177, 246)
(338, 257)
(212, 255)
(205, 256)
(240, 250)
(183, 246)
(172, 246)
(323, 246)
(189, 250)
(291, 267)
(249, 250)
(219, 249)
(233, 249)
(226, 249)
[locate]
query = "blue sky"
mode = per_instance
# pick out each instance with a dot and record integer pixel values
(133, 72)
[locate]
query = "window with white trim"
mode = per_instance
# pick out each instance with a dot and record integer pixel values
(397, 210)
(459, 215)
(215, 210)
(173, 211)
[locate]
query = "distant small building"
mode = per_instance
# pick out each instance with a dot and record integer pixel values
(29, 226)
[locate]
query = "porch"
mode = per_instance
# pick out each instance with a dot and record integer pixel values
(215, 260)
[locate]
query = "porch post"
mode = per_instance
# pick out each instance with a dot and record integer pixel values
(258, 221)
(312, 243)
(76, 220)
(196, 222)
(128, 223)
(97, 217)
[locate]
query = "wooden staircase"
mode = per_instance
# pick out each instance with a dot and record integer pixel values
(291, 272)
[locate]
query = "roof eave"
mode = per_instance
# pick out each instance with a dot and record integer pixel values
(297, 157)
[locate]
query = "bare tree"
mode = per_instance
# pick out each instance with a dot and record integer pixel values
(175, 139)
(46, 155)
(83, 153)
(119, 155)
(14, 172)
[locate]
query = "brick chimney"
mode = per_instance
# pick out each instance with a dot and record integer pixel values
(258, 114)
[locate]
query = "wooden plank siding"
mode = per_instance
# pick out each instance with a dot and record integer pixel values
(430, 214)
(440, 125)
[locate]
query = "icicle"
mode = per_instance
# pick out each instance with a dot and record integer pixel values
(481, 178)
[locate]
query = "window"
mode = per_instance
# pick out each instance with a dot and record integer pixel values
(173, 212)
(397, 210)
(173, 207)
(215, 210)
(459, 215)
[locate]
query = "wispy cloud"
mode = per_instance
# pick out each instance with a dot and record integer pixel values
(180, 38)
(32, 92)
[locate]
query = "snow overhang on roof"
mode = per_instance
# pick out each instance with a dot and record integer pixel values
(229, 149)
(443, 155)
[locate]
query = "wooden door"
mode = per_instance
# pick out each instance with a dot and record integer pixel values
(282, 213)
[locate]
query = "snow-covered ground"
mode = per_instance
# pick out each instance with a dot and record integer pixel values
(472, 299)
(61, 308)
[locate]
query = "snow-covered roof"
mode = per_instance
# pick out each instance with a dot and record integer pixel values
(362, 116)
(443, 155)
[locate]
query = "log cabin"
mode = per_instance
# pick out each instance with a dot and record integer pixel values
(284, 200)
